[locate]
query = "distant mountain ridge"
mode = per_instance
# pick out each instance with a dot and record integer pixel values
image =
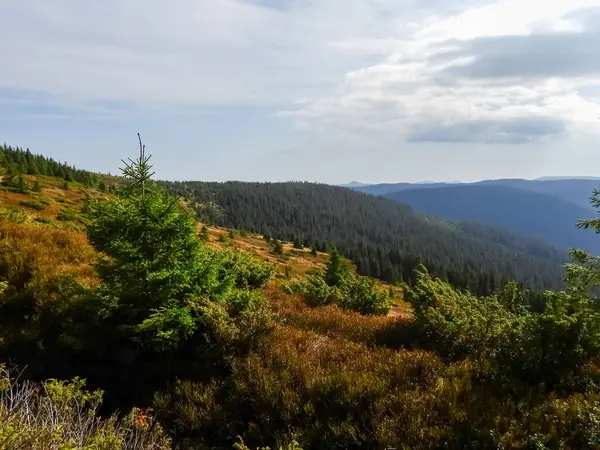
(522, 211)
(574, 190)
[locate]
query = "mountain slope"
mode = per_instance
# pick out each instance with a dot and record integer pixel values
(385, 240)
(522, 211)
(574, 190)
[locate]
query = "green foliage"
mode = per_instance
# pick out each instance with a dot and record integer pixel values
(13, 215)
(248, 272)
(551, 347)
(37, 186)
(362, 294)
(278, 247)
(337, 286)
(231, 234)
(337, 269)
(204, 233)
(155, 271)
(384, 239)
(63, 415)
(19, 161)
(66, 216)
(33, 204)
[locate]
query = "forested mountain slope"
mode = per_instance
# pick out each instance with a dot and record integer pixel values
(384, 239)
(576, 191)
(522, 211)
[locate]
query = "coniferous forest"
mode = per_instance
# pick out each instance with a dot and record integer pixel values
(384, 239)
(125, 323)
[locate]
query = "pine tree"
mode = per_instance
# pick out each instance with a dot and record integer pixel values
(231, 234)
(153, 265)
(21, 185)
(37, 186)
(337, 270)
(204, 233)
(278, 247)
(314, 251)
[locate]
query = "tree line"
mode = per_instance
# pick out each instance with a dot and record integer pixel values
(384, 239)
(17, 162)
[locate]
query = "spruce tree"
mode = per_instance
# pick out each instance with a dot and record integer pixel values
(204, 234)
(153, 266)
(278, 247)
(37, 186)
(337, 270)
(21, 185)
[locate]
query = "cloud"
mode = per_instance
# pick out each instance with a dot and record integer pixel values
(488, 70)
(501, 72)
(511, 131)
(536, 55)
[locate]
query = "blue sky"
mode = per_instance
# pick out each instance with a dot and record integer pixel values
(317, 90)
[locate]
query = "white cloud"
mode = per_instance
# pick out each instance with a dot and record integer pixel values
(360, 66)
(418, 88)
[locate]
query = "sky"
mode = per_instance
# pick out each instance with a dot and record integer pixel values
(315, 90)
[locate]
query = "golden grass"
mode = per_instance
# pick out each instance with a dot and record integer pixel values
(34, 254)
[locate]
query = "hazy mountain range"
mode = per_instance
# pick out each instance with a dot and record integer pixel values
(547, 208)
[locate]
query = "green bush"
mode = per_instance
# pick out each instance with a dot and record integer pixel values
(362, 294)
(249, 273)
(550, 347)
(66, 216)
(34, 204)
(13, 215)
(277, 247)
(337, 286)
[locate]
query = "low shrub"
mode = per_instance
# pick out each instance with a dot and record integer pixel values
(62, 415)
(249, 272)
(33, 204)
(65, 216)
(355, 293)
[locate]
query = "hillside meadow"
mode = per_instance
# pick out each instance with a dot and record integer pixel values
(222, 338)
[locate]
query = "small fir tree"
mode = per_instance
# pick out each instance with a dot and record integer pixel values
(204, 233)
(337, 270)
(278, 247)
(37, 186)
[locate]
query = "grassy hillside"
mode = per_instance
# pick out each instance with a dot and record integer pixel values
(384, 239)
(519, 210)
(199, 345)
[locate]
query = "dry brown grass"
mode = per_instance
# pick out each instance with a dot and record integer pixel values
(52, 193)
(331, 321)
(33, 254)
